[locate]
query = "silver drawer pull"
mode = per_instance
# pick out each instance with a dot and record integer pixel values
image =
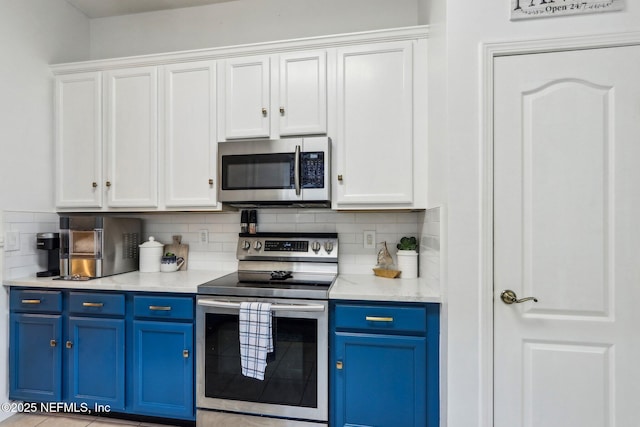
(275, 307)
(92, 304)
(378, 319)
(159, 308)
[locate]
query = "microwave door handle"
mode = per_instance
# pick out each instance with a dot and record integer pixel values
(296, 170)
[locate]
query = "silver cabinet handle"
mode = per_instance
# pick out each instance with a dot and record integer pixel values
(160, 308)
(510, 297)
(275, 307)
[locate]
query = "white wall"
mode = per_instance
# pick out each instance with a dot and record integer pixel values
(468, 24)
(34, 33)
(246, 21)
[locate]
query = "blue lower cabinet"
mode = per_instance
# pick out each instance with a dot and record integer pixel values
(96, 362)
(103, 351)
(35, 357)
(384, 370)
(381, 380)
(163, 369)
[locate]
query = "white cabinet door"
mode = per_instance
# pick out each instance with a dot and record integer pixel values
(190, 147)
(244, 108)
(303, 93)
(132, 142)
(374, 141)
(566, 204)
(78, 129)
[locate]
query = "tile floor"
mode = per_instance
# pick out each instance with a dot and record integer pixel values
(66, 420)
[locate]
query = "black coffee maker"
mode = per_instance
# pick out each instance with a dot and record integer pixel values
(50, 242)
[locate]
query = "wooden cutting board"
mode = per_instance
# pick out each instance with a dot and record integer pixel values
(179, 249)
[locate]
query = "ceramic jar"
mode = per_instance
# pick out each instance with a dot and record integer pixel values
(150, 255)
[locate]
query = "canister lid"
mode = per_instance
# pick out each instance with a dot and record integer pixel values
(151, 243)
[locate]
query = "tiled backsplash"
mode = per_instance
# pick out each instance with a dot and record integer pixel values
(27, 260)
(223, 228)
(430, 239)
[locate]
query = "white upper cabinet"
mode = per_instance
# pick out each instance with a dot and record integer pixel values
(131, 174)
(374, 142)
(302, 105)
(190, 147)
(244, 108)
(78, 132)
(269, 96)
(141, 133)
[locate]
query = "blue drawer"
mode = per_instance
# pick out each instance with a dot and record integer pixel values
(96, 303)
(151, 306)
(36, 301)
(381, 318)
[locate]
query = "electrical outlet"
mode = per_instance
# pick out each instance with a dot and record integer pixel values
(370, 239)
(204, 236)
(12, 241)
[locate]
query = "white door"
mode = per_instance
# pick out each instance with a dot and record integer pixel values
(190, 152)
(78, 127)
(567, 208)
(374, 140)
(132, 137)
(245, 96)
(303, 93)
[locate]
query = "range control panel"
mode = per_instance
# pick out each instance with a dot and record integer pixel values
(302, 246)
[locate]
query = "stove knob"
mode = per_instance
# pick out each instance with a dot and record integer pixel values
(246, 245)
(328, 246)
(315, 246)
(257, 245)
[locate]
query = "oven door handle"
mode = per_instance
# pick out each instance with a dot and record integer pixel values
(274, 307)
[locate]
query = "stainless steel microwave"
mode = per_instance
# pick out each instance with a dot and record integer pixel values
(284, 172)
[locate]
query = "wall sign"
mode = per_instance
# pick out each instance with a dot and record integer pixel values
(525, 9)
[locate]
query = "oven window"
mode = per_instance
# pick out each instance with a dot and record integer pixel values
(291, 374)
(258, 172)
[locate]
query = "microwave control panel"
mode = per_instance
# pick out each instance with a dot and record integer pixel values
(312, 165)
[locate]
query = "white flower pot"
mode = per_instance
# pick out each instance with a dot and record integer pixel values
(408, 264)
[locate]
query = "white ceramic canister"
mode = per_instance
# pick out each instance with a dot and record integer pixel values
(408, 264)
(150, 255)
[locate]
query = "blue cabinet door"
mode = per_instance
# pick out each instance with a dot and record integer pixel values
(380, 380)
(95, 362)
(35, 357)
(163, 366)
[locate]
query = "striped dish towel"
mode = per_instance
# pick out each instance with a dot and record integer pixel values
(256, 338)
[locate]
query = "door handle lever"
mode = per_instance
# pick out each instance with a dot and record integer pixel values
(510, 297)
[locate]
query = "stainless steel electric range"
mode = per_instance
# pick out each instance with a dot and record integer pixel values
(294, 272)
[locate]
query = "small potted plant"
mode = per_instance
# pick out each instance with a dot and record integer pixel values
(408, 257)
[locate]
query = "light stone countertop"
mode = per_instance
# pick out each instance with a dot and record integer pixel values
(179, 281)
(363, 287)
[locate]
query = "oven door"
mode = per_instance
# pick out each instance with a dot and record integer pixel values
(286, 170)
(296, 377)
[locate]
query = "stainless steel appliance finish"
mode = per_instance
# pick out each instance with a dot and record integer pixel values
(98, 246)
(294, 272)
(286, 172)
